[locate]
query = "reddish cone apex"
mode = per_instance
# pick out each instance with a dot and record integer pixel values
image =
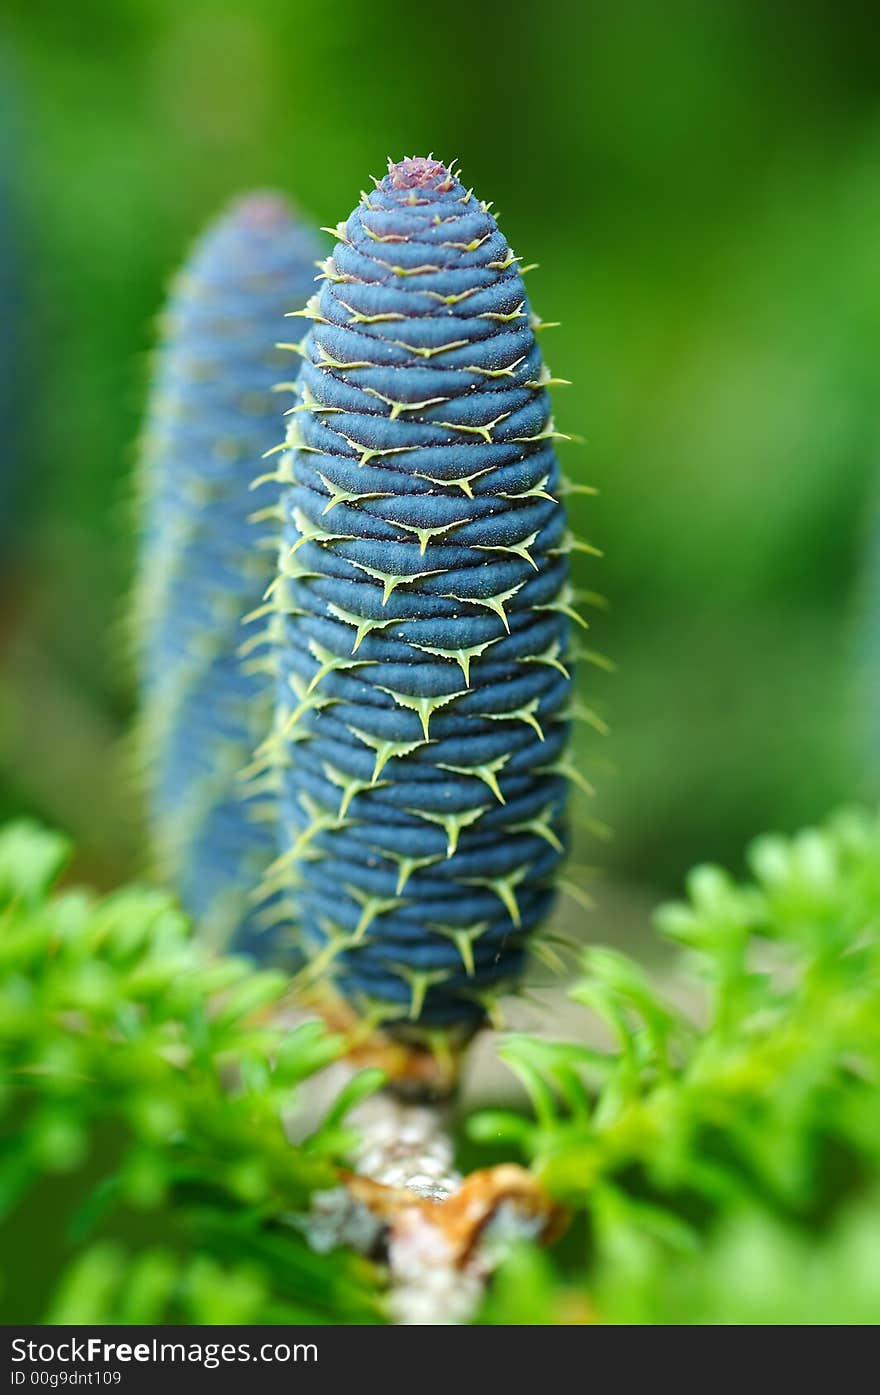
(420, 172)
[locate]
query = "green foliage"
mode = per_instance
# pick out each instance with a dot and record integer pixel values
(725, 1160)
(721, 1163)
(142, 1085)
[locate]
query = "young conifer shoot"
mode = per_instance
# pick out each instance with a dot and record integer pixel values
(420, 616)
(203, 564)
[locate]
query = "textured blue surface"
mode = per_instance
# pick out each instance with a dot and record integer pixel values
(203, 565)
(421, 625)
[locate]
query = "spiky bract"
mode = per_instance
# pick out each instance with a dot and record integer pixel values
(421, 624)
(203, 565)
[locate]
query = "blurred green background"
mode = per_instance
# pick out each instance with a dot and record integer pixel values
(700, 184)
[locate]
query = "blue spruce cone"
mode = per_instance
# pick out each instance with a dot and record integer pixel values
(421, 615)
(203, 564)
